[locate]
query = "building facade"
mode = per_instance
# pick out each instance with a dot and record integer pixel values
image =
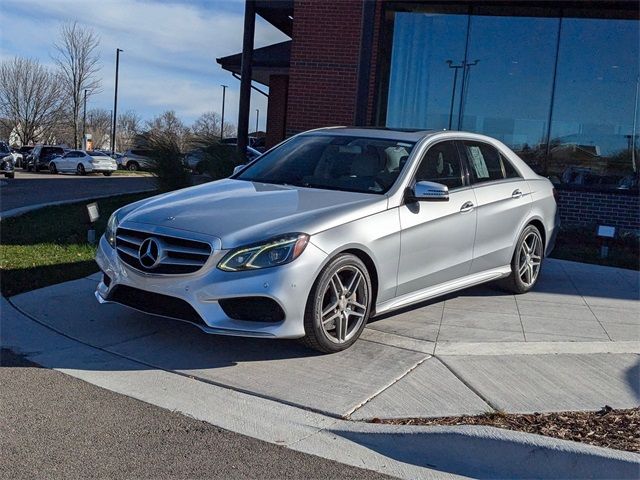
(556, 81)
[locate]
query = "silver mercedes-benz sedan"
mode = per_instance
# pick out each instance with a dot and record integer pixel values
(330, 228)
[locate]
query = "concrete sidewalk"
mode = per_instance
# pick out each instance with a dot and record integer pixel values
(572, 344)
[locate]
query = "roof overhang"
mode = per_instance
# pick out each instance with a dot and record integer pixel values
(270, 60)
(278, 13)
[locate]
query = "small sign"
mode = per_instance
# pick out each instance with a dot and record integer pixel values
(606, 232)
(92, 209)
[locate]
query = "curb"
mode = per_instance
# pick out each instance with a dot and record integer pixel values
(401, 451)
(16, 212)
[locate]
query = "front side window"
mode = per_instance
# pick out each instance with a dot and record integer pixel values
(332, 162)
(441, 164)
(486, 163)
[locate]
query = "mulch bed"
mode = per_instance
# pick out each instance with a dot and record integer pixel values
(619, 429)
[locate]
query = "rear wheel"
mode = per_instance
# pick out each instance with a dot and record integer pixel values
(338, 306)
(52, 168)
(133, 166)
(107, 174)
(526, 262)
(80, 170)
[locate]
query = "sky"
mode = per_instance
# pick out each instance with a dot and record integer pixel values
(169, 47)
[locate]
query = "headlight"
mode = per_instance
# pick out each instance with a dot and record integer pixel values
(271, 253)
(112, 226)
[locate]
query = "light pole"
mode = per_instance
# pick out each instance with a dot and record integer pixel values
(257, 118)
(115, 104)
(453, 88)
(84, 121)
(224, 90)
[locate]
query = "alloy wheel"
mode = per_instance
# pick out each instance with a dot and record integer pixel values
(530, 258)
(344, 304)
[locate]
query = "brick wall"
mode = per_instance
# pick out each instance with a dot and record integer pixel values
(277, 111)
(579, 207)
(324, 64)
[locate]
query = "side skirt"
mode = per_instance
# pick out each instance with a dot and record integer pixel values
(443, 289)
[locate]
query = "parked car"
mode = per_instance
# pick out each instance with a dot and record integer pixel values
(136, 159)
(194, 160)
(21, 154)
(6, 161)
(82, 162)
(41, 156)
(330, 228)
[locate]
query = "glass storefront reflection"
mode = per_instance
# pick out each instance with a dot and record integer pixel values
(592, 128)
(562, 92)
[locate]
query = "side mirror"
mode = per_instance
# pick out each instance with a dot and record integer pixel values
(237, 169)
(430, 192)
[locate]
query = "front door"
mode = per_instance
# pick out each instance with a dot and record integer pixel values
(437, 238)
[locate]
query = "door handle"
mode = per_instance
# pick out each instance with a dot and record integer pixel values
(467, 207)
(516, 193)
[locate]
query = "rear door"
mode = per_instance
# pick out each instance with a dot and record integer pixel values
(503, 203)
(437, 237)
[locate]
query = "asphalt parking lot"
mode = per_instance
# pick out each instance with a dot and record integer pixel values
(28, 189)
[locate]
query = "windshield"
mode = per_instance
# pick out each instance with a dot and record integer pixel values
(333, 162)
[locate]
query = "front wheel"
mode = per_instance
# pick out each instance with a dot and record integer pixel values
(526, 262)
(338, 306)
(107, 174)
(133, 166)
(52, 168)
(80, 170)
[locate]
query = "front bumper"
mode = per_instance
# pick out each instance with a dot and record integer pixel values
(288, 285)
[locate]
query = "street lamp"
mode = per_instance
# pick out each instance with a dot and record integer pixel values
(257, 117)
(224, 90)
(466, 67)
(453, 87)
(84, 121)
(115, 104)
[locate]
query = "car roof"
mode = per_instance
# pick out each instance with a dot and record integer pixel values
(407, 135)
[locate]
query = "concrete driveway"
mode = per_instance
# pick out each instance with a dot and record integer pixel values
(571, 344)
(40, 188)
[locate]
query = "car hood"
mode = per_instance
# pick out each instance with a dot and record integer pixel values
(241, 212)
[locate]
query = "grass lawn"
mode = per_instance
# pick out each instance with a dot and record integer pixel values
(49, 245)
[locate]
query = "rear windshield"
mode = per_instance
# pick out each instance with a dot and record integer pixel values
(94, 153)
(332, 162)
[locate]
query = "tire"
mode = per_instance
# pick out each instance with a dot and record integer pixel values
(343, 323)
(80, 170)
(52, 168)
(10, 175)
(107, 174)
(133, 166)
(524, 277)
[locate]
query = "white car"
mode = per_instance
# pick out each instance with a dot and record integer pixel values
(82, 162)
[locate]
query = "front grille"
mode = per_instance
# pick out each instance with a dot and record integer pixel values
(252, 309)
(177, 255)
(155, 303)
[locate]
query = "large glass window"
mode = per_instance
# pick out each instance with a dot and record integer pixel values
(562, 91)
(592, 129)
(421, 88)
(509, 78)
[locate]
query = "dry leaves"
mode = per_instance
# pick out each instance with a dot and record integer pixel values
(619, 429)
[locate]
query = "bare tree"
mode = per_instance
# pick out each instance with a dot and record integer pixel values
(29, 98)
(207, 125)
(128, 129)
(99, 126)
(169, 125)
(78, 59)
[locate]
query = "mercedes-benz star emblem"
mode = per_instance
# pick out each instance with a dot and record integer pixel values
(150, 253)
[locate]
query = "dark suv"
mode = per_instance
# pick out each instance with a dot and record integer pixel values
(41, 155)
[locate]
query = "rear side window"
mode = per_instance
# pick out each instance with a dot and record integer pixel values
(486, 163)
(142, 153)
